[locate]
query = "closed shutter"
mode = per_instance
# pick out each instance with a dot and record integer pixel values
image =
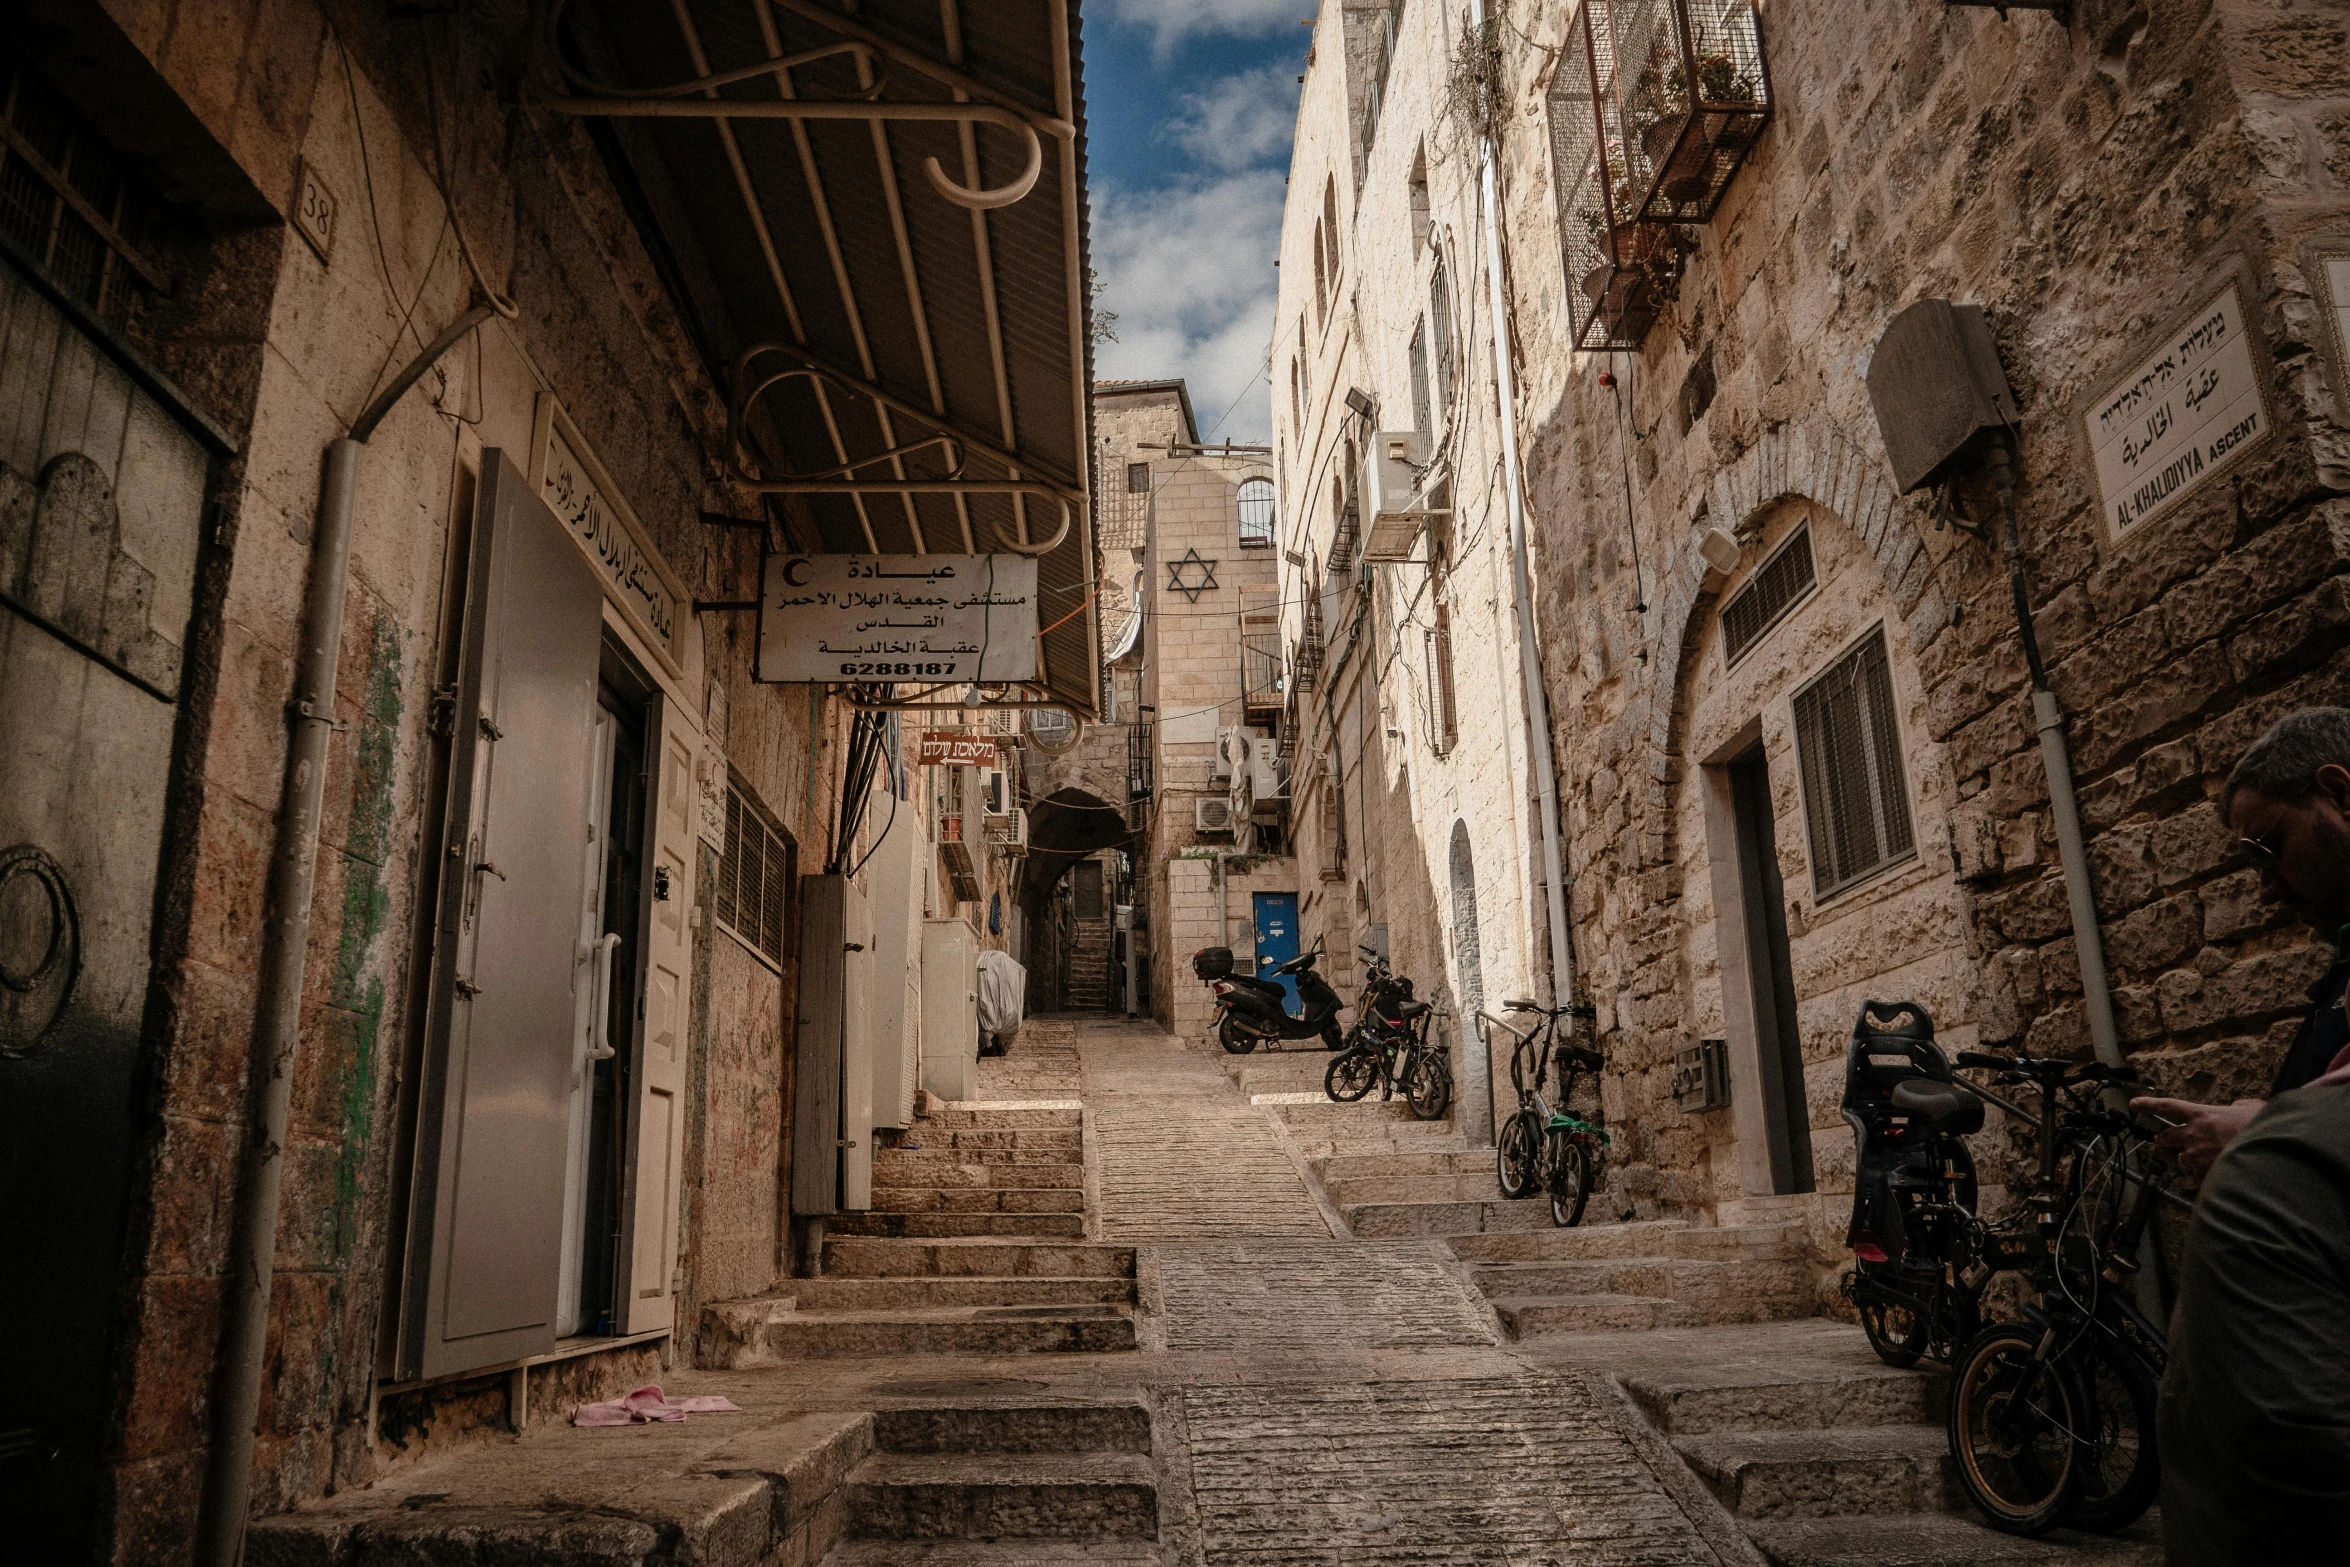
(487, 1205)
(1856, 795)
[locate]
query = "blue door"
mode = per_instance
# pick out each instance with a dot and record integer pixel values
(1277, 939)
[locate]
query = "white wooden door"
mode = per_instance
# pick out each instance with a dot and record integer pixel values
(586, 1026)
(656, 1143)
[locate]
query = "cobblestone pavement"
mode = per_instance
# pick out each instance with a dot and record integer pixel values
(1344, 1401)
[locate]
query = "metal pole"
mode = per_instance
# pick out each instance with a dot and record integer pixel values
(1562, 963)
(293, 874)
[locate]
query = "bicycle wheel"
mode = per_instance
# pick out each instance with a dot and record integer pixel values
(1233, 1037)
(1570, 1180)
(2013, 1417)
(1351, 1074)
(2120, 1471)
(1428, 1084)
(1514, 1155)
(1897, 1329)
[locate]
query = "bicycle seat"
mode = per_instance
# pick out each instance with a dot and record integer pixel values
(1949, 1110)
(1411, 1009)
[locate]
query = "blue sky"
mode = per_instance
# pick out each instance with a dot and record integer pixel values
(1189, 110)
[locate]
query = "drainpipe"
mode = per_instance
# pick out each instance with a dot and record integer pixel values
(236, 1403)
(2048, 718)
(1562, 962)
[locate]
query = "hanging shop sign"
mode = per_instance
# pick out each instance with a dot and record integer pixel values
(897, 618)
(2180, 416)
(582, 495)
(955, 748)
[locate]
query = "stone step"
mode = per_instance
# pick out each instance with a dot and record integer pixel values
(1471, 1186)
(979, 1167)
(978, 1199)
(1014, 1428)
(944, 1226)
(924, 1293)
(1380, 1139)
(1642, 1238)
(1840, 1472)
(1537, 1316)
(992, 1553)
(1773, 1288)
(1382, 1220)
(941, 1330)
(1697, 1402)
(999, 1496)
(1368, 1166)
(1320, 1114)
(1933, 1540)
(855, 1257)
(927, 1137)
(979, 1116)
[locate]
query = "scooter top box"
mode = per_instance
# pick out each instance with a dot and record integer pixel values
(1212, 963)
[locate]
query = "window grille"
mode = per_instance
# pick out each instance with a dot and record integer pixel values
(1440, 337)
(1777, 586)
(71, 203)
(1256, 514)
(1138, 478)
(754, 877)
(1441, 706)
(1420, 417)
(1856, 798)
(1333, 837)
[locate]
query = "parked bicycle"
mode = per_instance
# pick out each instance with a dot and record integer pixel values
(1388, 1048)
(2051, 1417)
(1545, 1147)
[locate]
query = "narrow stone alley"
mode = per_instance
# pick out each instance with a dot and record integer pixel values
(1206, 1365)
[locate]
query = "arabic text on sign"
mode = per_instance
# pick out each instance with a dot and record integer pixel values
(574, 499)
(2179, 414)
(898, 617)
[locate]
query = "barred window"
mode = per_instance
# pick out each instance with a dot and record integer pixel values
(1440, 333)
(1856, 798)
(1138, 478)
(71, 203)
(1420, 418)
(1776, 587)
(754, 877)
(1443, 712)
(1256, 514)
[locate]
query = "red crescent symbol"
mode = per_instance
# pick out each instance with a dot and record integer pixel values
(796, 563)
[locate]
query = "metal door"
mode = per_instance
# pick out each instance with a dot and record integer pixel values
(101, 516)
(1770, 970)
(1277, 939)
(656, 1143)
(486, 1213)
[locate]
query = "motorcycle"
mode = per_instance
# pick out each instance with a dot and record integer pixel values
(1253, 1008)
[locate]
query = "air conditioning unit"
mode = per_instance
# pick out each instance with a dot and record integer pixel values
(1256, 777)
(1220, 768)
(1211, 815)
(1400, 505)
(1007, 831)
(995, 790)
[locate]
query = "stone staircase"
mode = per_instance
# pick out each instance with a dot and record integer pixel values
(1440, 1191)
(1829, 1458)
(975, 1244)
(1613, 1278)
(1004, 1484)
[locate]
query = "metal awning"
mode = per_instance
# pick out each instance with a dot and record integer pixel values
(874, 224)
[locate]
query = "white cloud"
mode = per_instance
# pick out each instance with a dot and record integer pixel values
(1189, 270)
(1173, 20)
(1240, 120)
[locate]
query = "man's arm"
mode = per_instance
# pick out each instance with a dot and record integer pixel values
(2195, 1134)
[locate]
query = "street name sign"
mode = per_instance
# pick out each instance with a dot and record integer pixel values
(955, 748)
(863, 618)
(2179, 416)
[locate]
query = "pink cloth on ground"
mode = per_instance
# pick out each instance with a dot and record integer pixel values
(649, 1404)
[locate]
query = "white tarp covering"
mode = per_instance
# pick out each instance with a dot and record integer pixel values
(1002, 984)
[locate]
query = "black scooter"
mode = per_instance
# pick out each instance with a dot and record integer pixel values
(1253, 1007)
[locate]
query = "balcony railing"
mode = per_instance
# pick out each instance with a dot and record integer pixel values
(1263, 673)
(1138, 761)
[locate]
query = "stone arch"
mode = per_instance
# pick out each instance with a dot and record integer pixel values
(1842, 477)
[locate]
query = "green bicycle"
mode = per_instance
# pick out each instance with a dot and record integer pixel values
(1543, 1147)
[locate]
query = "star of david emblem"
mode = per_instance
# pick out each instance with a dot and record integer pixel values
(1191, 590)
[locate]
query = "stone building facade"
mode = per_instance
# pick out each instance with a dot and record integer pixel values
(2105, 188)
(226, 231)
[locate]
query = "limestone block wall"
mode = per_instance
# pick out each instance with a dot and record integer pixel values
(1186, 921)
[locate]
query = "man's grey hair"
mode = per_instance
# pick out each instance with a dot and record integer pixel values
(2283, 764)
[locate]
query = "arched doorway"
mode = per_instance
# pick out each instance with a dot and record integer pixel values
(1069, 891)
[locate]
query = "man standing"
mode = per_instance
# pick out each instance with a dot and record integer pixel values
(2288, 802)
(2255, 1410)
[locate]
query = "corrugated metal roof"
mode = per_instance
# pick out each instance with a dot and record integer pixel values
(828, 235)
